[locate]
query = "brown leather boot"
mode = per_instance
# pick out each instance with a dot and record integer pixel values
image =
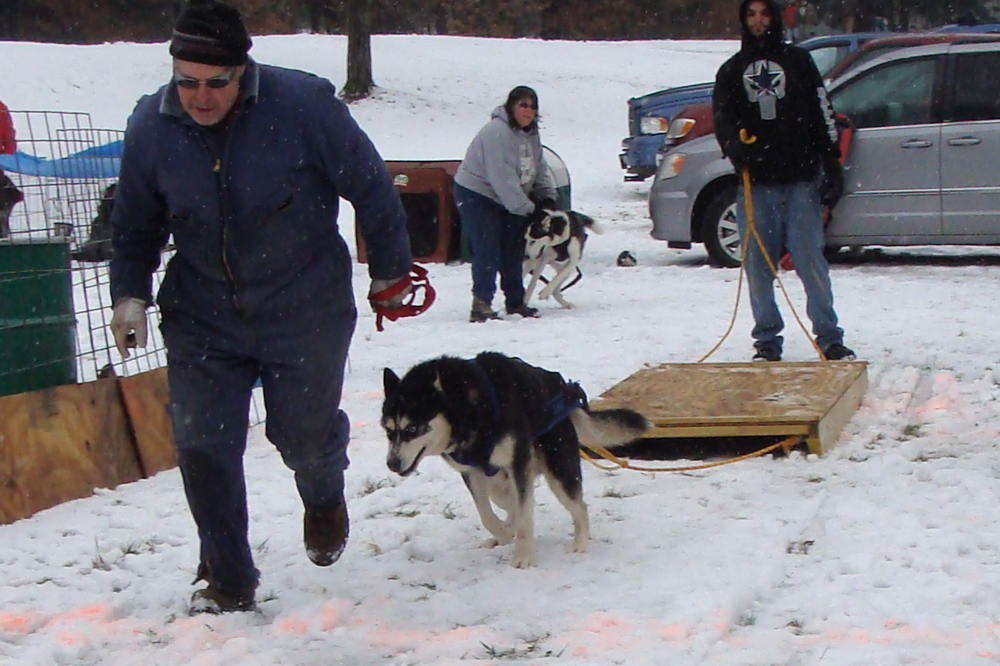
(215, 600)
(325, 534)
(481, 311)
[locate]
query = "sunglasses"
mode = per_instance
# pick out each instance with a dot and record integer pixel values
(528, 105)
(216, 82)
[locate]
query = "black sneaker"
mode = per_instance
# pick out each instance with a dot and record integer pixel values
(767, 353)
(524, 311)
(838, 352)
(325, 534)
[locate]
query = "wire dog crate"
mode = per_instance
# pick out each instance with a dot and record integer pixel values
(55, 300)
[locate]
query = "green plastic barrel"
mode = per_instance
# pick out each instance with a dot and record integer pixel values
(37, 324)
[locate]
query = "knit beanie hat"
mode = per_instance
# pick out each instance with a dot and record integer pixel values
(211, 33)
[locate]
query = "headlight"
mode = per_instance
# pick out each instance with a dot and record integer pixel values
(653, 125)
(671, 165)
(680, 127)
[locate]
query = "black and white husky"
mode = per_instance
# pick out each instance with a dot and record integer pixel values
(555, 239)
(501, 423)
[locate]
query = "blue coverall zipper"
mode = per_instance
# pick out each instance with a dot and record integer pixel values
(224, 213)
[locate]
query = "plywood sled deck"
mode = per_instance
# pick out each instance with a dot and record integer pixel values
(714, 400)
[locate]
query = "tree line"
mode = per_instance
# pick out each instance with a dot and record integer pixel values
(94, 21)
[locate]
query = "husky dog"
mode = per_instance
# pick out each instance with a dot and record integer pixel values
(555, 238)
(501, 423)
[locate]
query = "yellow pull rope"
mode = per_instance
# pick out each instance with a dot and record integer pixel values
(789, 442)
(786, 444)
(752, 231)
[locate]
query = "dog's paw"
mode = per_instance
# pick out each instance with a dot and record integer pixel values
(580, 544)
(524, 557)
(501, 539)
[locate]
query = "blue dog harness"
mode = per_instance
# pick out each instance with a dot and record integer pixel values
(558, 408)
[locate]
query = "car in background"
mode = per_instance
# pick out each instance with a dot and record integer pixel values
(876, 47)
(695, 120)
(968, 27)
(921, 169)
(648, 119)
(649, 115)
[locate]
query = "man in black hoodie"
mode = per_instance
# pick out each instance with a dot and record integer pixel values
(773, 120)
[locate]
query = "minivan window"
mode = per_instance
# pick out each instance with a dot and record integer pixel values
(899, 93)
(827, 56)
(872, 53)
(976, 93)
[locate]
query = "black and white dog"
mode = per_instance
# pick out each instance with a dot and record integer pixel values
(555, 238)
(501, 423)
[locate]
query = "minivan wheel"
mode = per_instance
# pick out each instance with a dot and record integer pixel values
(719, 230)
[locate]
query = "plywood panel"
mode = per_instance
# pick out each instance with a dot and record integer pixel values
(59, 444)
(146, 397)
(744, 399)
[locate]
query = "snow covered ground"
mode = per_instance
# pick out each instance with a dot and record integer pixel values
(884, 551)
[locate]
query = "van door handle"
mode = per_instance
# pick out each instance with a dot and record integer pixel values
(917, 143)
(965, 141)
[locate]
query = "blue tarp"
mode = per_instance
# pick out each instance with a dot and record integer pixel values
(95, 162)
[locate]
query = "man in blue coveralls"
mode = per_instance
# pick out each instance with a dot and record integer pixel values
(244, 165)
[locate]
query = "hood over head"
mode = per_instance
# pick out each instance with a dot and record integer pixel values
(771, 39)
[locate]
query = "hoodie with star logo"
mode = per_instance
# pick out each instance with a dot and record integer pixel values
(774, 92)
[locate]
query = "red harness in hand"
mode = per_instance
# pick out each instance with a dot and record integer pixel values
(419, 281)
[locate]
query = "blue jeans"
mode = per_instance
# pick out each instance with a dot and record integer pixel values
(788, 216)
(212, 366)
(496, 237)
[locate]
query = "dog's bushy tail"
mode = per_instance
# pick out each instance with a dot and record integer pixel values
(591, 225)
(608, 428)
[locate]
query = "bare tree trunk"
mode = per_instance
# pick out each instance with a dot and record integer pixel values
(10, 11)
(316, 17)
(359, 51)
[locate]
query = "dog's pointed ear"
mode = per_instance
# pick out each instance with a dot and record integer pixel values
(390, 381)
(456, 386)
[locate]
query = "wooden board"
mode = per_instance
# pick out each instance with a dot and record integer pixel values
(815, 400)
(146, 397)
(59, 444)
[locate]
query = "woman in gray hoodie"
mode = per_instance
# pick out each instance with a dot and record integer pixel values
(497, 186)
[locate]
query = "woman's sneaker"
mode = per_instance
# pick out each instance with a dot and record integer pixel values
(524, 311)
(838, 352)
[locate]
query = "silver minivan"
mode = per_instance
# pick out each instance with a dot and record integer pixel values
(923, 167)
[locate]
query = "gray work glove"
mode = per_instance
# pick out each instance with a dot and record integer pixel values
(393, 302)
(128, 324)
